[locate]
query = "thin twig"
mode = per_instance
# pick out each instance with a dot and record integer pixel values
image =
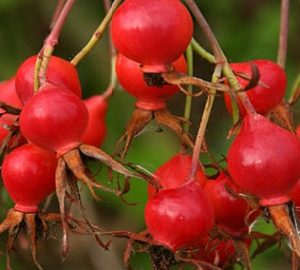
(113, 78)
(206, 30)
(59, 6)
(234, 83)
(97, 34)
(202, 52)
(283, 36)
(295, 92)
(203, 124)
(107, 6)
(188, 99)
(219, 55)
(49, 44)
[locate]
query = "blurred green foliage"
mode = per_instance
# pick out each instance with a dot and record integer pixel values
(246, 30)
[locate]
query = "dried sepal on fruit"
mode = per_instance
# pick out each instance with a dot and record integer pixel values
(55, 119)
(28, 174)
(151, 101)
(234, 215)
(10, 107)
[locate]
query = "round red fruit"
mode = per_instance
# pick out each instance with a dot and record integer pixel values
(153, 33)
(130, 76)
(28, 174)
(60, 73)
(54, 119)
(175, 173)
(8, 93)
(264, 160)
(231, 212)
(96, 128)
(270, 89)
(180, 216)
(9, 96)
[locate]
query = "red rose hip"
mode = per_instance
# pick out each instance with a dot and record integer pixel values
(153, 33)
(264, 161)
(180, 216)
(130, 76)
(269, 91)
(96, 128)
(175, 172)
(231, 212)
(54, 119)
(60, 73)
(28, 174)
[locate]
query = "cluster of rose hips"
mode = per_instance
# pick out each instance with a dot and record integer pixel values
(190, 218)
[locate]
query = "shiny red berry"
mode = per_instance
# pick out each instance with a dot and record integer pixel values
(59, 72)
(8, 93)
(175, 172)
(269, 91)
(9, 96)
(28, 174)
(153, 33)
(96, 128)
(232, 212)
(130, 76)
(180, 216)
(264, 160)
(54, 119)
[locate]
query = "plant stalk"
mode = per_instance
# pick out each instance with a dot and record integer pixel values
(283, 36)
(49, 44)
(188, 99)
(203, 124)
(97, 34)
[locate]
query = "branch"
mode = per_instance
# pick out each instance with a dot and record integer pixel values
(97, 34)
(283, 36)
(49, 44)
(203, 124)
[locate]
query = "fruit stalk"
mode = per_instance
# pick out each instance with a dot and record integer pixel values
(49, 44)
(284, 30)
(202, 52)
(243, 252)
(220, 58)
(59, 6)
(295, 92)
(188, 99)
(97, 35)
(281, 218)
(202, 128)
(295, 262)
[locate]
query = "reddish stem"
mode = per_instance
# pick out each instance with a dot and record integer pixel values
(220, 59)
(50, 43)
(206, 30)
(218, 53)
(58, 9)
(284, 29)
(52, 38)
(203, 124)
